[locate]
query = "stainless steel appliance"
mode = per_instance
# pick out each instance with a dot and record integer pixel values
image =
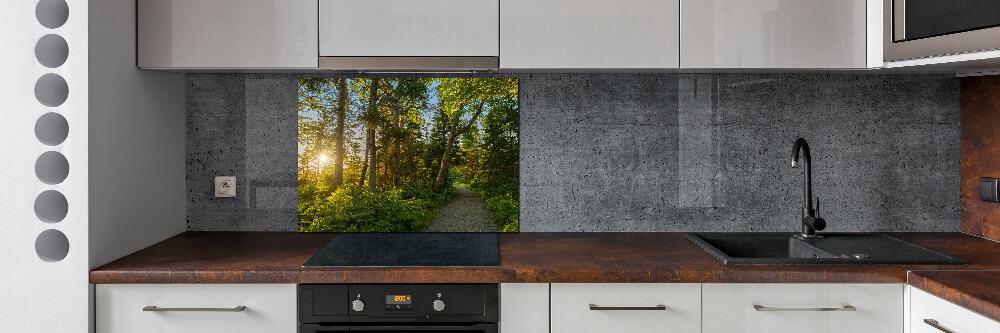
(916, 29)
(386, 308)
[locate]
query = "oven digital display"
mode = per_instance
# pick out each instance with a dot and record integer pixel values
(398, 299)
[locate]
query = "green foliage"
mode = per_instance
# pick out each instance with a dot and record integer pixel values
(352, 209)
(505, 212)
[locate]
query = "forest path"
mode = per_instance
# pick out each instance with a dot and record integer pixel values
(465, 213)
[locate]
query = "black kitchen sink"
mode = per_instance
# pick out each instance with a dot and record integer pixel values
(838, 248)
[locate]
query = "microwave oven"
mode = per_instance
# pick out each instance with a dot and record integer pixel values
(915, 29)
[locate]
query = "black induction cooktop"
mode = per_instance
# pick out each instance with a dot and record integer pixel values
(409, 249)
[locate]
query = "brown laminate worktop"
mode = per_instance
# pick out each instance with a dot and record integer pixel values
(277, 257)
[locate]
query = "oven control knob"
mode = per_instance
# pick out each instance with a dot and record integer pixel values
(358, 305)
(438, 305)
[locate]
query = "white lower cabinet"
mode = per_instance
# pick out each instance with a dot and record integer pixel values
(625, 307)
(816, 308)
(930, 314)
(196, 308)
(524, 307)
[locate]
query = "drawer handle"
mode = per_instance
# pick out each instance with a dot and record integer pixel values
(154, 308)
(848, 307)
(658, 307)
(935, 324)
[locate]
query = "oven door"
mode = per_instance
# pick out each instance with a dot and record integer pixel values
(927, 28)
(474, 328)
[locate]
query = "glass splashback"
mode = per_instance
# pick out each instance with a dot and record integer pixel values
(383, 154)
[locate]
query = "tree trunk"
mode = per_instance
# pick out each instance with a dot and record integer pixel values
(372, 114)
(364, 165)
(452, 135)
(338, 161)
(445, 161)
(395, 145)
(372, 164)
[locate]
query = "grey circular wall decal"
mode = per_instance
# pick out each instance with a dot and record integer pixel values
(51, 206)
(52, 13)
(51, 51)
(51, 90)
(51, 129)
(52, 167)
(52, 245)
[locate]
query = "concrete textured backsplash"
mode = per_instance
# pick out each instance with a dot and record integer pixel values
(640, 152)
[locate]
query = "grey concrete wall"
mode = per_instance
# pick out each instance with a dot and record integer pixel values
(243, 126)
(641, 152)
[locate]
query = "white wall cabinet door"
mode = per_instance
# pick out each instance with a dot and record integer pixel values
(927, 310)
(589, 34)
(730, 308)
(409, 28)
(227, 33)
(270, 308)
(773, 34)
(625, 307)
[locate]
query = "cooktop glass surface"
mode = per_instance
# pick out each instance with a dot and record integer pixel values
(409, 249)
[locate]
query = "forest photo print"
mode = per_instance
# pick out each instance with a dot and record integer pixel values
(408, 154)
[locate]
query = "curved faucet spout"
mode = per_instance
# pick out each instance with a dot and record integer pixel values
(810, 222)
(807, 188)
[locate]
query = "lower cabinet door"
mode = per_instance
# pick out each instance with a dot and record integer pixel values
(623, 307)
(930, 314)
(195, 308)
(802, 308)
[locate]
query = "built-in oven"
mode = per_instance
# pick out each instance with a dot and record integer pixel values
(387, 308)
(928, 28)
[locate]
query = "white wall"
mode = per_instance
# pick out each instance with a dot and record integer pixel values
(137, 188)
(38, 295)
(126, 129)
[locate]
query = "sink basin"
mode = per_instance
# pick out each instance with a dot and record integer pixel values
(785, 248)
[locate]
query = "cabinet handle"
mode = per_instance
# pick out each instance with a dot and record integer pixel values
(935, 324)
(154, 308)
(660, 307)
(848, 307)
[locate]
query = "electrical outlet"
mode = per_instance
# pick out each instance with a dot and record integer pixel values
(225, 187)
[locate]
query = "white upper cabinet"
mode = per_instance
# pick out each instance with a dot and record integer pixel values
(409, 28)
(589, 34)
(227, 33)
(775, 34)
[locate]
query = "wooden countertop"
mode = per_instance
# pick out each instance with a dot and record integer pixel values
(277, 257)
(978, 291)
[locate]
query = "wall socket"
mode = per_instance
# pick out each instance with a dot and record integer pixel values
(988, 189)
(225, 187)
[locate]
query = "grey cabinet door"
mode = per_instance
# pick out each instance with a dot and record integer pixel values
(228, 34)
(774, 34)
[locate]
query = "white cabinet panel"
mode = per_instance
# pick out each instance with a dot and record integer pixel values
(409, 28)
(947, 315)
(524, 308)
(572, 313)
(269, 308)
(729, 308)
(227, 33)
(773, 34)
(586, 34)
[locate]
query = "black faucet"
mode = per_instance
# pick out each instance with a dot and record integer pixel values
(810, 221)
